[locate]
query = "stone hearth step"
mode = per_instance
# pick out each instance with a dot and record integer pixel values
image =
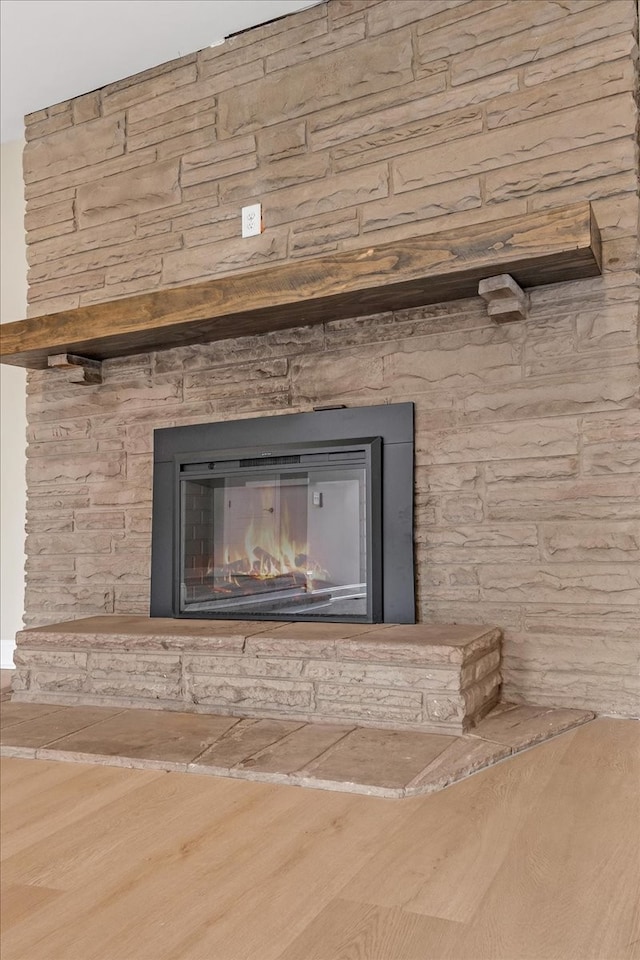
(386, 763)
(422, 677)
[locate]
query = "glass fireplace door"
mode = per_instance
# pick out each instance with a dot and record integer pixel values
(261, 541)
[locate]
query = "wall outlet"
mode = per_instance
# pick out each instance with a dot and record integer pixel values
(252, 220)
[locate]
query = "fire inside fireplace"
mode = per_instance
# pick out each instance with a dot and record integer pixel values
(281, 534)
(307, 516)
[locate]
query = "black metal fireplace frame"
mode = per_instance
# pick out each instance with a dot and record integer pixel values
(391, 425)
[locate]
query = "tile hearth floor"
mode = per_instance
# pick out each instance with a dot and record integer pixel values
(355, 759)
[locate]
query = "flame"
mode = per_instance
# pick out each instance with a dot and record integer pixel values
(269, 549)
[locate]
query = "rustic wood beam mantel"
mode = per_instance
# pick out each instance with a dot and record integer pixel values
(538, 248)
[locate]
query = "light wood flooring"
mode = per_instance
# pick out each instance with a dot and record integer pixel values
(537, 857)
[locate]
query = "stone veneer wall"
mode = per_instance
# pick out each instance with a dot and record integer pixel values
(358, 122)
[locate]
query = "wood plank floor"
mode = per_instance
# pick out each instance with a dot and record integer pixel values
(535, 858)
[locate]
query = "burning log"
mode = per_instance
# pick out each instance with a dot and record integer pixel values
(266, 559)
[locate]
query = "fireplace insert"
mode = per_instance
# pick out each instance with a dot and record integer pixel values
(300, 517)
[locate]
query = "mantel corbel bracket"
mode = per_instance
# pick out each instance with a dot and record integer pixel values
(505, 299)
(83, 370)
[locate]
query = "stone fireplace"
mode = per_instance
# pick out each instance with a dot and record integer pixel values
(304, 517)
(359, 123)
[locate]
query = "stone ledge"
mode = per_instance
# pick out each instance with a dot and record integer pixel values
(347, 758)
(432, 678)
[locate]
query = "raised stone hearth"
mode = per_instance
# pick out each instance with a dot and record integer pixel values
(431, 678)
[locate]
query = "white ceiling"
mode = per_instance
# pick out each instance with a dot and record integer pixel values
(52, 50)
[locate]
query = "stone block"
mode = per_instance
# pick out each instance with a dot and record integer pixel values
(71, 544)
(86, 107)
(562, 582)
(339, 192)
(200, 666)
(539, 42)
(368, 703)
(340, 9)
(205, 89)
(502, 441)
(177, 133)
(378, 65)
(67, 599)
(77, 469)
(521, 727)
(275, 175)
(463, 508)
(74, 147)
(385, 111)
(527, 401)
(204, 180)
(91, 238)
(114, 568)
(291, 647)
(483, 28)
(487, 535)
(337, 377)
(478, 357)
(246, 739)
(611, 427)
(86, 174)
(601, 656)
(278, 343)
(145, 87)
(46, 567)
(365, 674)
(609, 695)
(480, 668)
(443, 478)
(267, 376)
(580, 166)
(538, 138)
(127, 194)
(480, 696)
(602, 80)
(609, 328)
(56, 681)
(583, 56)
(424, 204)
(49, 125)
(52, 230)
(322, 44)
(383, 17)
(135, 686)
(617, 456)
(592, 541)
(224, 256)
(50, 659)
(408, 138)
(607, 498)
(49, 521)
(48, 290)
(244, 693)
(101, 665)
(424, 644)
(50, 215)
(598, 361)
(317, 234)
(446, 710)
(608, 620)
(282, 140)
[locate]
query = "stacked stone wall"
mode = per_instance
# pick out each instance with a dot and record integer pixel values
(352, 122)
(355, 123)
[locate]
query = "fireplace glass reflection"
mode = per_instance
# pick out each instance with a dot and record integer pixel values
(262, 539)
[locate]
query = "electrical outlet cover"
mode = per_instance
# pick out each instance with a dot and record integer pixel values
(252, 220)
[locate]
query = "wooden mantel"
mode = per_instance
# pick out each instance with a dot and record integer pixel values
(538, 248)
